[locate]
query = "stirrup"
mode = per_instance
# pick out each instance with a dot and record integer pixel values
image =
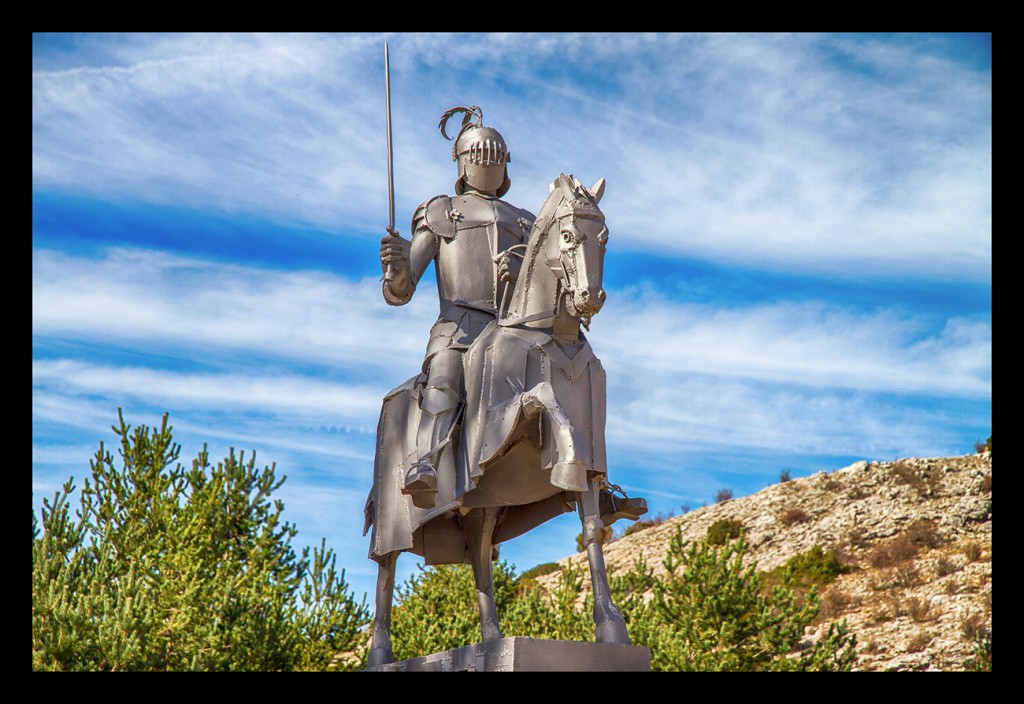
(614, 507)
(421, 485)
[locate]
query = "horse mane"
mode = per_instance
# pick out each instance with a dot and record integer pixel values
(534, 248)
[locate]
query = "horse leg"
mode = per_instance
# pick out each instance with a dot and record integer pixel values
(380, 644)
(611, 627)
(479, 526)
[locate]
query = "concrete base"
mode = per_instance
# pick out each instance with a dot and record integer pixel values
(519, 654)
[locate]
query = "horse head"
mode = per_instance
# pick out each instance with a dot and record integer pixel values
(576, 253)
(564, 261)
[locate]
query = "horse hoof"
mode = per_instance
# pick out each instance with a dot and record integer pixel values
(379, 656)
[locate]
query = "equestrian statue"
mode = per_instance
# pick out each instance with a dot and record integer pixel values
(503, 427)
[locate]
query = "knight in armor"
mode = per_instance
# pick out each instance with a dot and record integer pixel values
(475, 240)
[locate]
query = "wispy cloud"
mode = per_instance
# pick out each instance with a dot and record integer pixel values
(206, 310)
(794, 151)
(801, 343)
(740, 376)
(154, 299)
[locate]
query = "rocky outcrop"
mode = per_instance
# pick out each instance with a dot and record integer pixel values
(915, 534)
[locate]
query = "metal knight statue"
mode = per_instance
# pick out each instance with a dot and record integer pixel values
(472, 238)
(503, 427)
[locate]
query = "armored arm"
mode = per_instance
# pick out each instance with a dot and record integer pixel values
(510, 261)
(408, 259)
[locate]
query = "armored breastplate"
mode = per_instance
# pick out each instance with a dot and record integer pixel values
(476, 229)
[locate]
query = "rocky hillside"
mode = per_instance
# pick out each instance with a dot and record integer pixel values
(916, 535)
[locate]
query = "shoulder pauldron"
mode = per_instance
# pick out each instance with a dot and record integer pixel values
(440, 217)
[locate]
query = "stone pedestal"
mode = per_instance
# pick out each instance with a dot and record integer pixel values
(518, 654)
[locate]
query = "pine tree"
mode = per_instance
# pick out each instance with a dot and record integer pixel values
(437, 610)
(713, 613)
(168, 568)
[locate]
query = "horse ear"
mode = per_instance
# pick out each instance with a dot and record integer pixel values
(567, 190)
(597, 190)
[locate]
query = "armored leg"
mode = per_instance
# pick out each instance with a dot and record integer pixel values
(570, 444)
(438, 404)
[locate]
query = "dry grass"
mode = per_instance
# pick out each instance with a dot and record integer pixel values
(925, 481)
(972, 625)
(835, 602)
(923, 533)
(906, 575)
(792, 516)
(946, 565)
(919, 642)
(893, 552)
(972, 551)
(921, 610)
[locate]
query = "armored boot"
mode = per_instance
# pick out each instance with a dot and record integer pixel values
(614, 507)
(438, 404)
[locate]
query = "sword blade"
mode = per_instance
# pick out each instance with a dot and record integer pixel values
(391, 176)
(389, 274)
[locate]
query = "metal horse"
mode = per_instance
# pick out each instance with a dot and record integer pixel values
(530, 443)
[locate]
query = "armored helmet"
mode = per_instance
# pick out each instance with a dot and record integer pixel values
(476, 144)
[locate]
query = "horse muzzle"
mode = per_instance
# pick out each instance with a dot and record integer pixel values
(586, 304)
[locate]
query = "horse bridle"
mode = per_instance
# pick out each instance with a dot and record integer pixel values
(564, 266)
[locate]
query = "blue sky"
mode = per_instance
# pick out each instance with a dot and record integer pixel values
(799, 274)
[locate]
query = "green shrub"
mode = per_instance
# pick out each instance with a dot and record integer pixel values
(540, 570)
(724, 530)
(712, 613)
(981, 657)
(986, 446)
(436, 610)
(816, 567)
(169, 568)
